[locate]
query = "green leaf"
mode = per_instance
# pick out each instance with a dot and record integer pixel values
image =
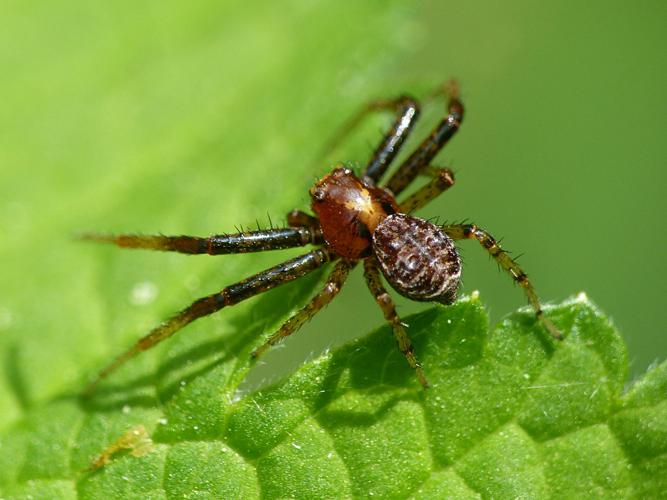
(510, 413)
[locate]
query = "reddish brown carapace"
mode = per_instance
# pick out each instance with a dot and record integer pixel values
(349, 211)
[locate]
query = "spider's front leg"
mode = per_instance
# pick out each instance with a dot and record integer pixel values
(372, 275)
(243, 242)
(471, 231)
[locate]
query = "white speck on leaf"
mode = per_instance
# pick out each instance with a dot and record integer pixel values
(143, 293)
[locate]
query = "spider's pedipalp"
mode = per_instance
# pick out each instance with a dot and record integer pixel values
(299, 218)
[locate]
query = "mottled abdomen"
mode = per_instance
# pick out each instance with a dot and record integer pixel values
(417, 258)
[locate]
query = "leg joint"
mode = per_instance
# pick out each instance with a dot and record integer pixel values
(384, 300)
(406, 350)
(445, 178)
(331, 289)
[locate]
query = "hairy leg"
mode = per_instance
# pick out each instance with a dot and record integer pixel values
(331, 288)
(233, 294)
(443, 179)
(471, 231)
(372, 275)
(249, 241)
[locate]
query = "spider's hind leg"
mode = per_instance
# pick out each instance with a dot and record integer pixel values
(488, 242)
(372, 275)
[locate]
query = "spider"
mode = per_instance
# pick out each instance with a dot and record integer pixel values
(356, 220)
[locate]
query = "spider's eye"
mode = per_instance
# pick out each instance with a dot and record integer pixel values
(417, 258)
(318, 194)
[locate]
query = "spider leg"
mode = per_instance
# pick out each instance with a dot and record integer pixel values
(406, 110)
(233, 294)
(372, 275)
(471, 231)
(244, 242)
(443, 179)
(298, 218)
(426, 151)
(331, 288)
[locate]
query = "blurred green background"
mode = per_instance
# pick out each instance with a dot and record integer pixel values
(194, 117)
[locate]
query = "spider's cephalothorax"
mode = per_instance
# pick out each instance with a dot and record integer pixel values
(349, 210)
(355, 220)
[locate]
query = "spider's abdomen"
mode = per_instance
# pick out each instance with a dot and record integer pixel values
(349, 211)
(417, 258)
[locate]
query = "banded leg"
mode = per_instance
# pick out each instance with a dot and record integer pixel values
(372, 275)
(426, 151)
(249, 241)
(331, 288)
(471, 231)
(233, 294)
(406, 110)
(443, 179)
